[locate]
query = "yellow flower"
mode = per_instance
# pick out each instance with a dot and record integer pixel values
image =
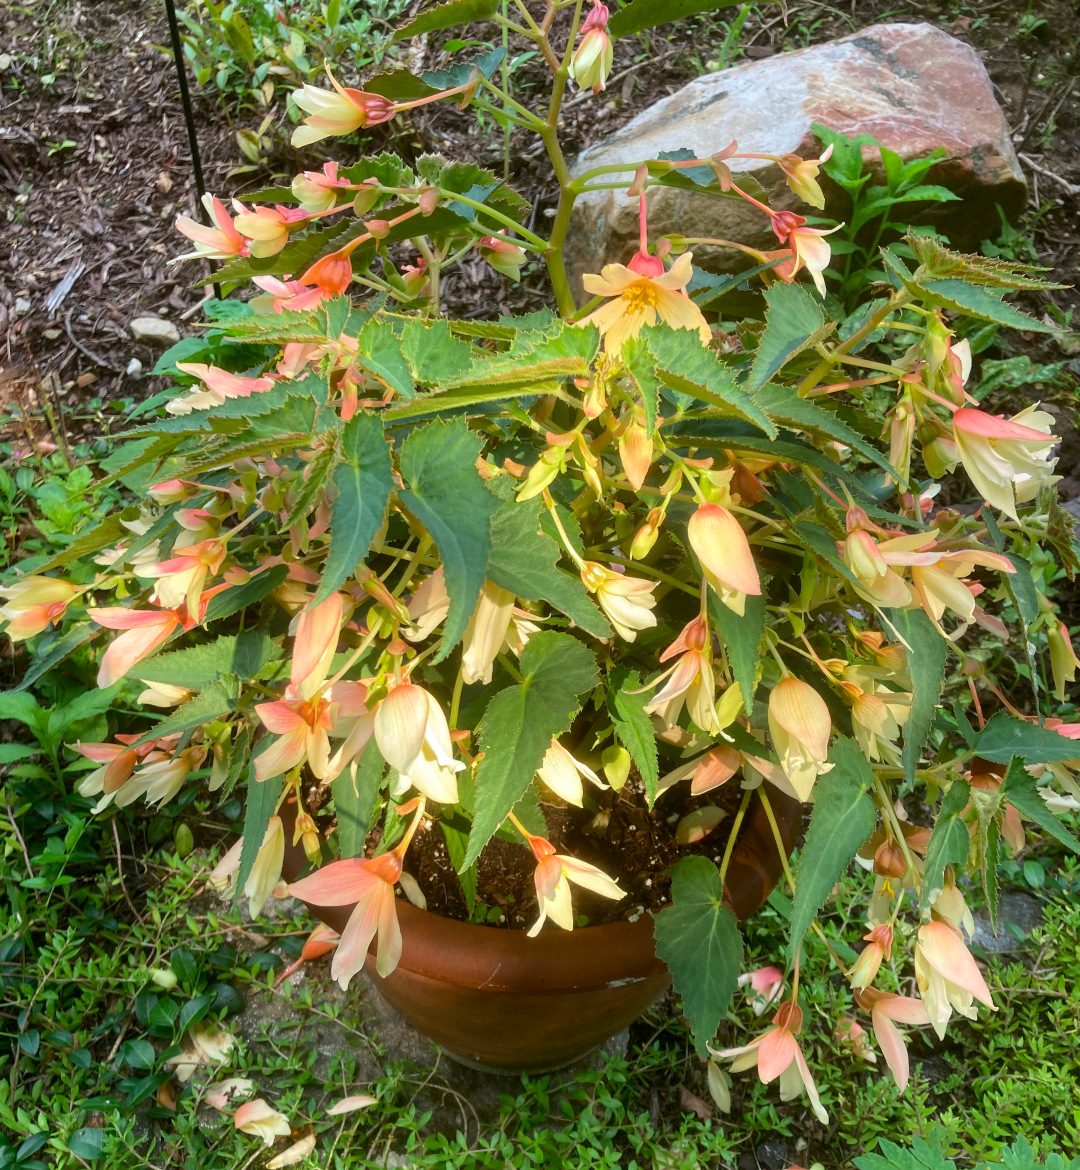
(640, 300)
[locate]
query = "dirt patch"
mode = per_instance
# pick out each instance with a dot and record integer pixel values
(631, 843)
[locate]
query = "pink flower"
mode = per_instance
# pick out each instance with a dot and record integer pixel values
(336, 112)
(218, 385)
(145, 630)
(181, 578)
(766, 985)
(807, 244)
(259, 1120)
(222, 242)
(591, 62)
(776, 1054)
(506, 258)
(947, 975)
(866, 966)
(690, 680)
(1008, 460)
(317, 190)
(886, 1011)
(369, 883)
(853, 1037)
(268, 228)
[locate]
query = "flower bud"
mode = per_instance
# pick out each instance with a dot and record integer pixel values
(646, 535)
(591, 63)
(636, 453)
(616, 764)
(939, 450)
(506, 258)
(183, 840)
(379, 228)
(429, 200)
(542, 472)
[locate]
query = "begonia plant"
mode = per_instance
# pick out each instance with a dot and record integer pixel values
(399, 572)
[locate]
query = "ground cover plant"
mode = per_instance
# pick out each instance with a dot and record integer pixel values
(637, 386)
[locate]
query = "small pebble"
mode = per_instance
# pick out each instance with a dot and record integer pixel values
(134, 368)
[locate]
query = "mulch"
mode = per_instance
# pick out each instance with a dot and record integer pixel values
(95, 166)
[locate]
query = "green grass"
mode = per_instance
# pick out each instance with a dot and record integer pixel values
(85, 1037)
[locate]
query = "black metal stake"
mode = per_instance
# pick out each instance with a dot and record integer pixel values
(189, 117)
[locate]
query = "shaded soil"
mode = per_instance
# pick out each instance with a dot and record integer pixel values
(629, 842)
(94, 167)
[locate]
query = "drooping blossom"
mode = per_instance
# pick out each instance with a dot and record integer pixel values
(801, 175)
(886, 1011)
(265, 870)
(690, 680)
(877, 713)
(221, 242)
(486, 633)
(807, 244)
(563, 774)
(1063, 661)
(428, 606)
(118, 761)
(414, 738)
(640, 298)
(339, 111)
(951, 906)
(180, 579)
(879, 946)
(852, 1035)
(635, 451)
(720, 544)
(554, 873)
(709, 770)
(268, 228)
(416, 279)
(764, 986)
(33, 602)
(218, 385)
(144, 631)
(1008, 460)
(317, 190)
(776, 1055)
(627, 601)
(506, 258)
(369, 883)
(800, 725)
(260, 1120)
(948, 978)
(302, 719)
(162, 694)
(158, 781)
(591, 63)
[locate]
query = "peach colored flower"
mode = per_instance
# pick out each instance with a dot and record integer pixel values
(720, 544)
(807, 245)
(690, 680)
(591, 63)
(261, 1121)
(317, 190)
(1008, 460)
(766, 985)
(268, 228)
(218, 386)
(221, 242)
(639, 300)
(33, 603)
(414, 738)
(627, 601)
(800, 725)
(776, 1054)
(562, 773)
(948, 978)
(265, 872)
(886, 1011)
(552, 878)
(338, 111)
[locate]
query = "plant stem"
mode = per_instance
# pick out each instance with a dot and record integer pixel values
(736, 826)
(780, 847)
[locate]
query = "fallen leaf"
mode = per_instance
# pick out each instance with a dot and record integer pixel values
(163, 183)
(688, 1103)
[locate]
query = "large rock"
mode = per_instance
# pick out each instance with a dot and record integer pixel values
(911, 86)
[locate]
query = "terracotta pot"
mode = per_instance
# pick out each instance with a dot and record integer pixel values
(506, 1002)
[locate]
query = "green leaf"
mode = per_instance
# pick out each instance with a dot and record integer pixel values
(973, 301)
(447, 16)
(1004, 737)
(523, 560)
(949, 841)
(448, 497)
(225, 604)
(11, 753)
(1021, 789)
(218, 699)
(379, 352)
(639, 363)
(698, 938)
(684, 364)
(639, 15)
(937, 262)
(262, 800)
(742, 637)
(239, 654)
(519, 724)
(793, 322)
(433, 353)
(354, 799)
(844, 816)
(456, 835)
(108, 532)
(56, 651)
(785, 406)
(87, 1143)
(926, 660)
(363, 481)
(633, 727)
